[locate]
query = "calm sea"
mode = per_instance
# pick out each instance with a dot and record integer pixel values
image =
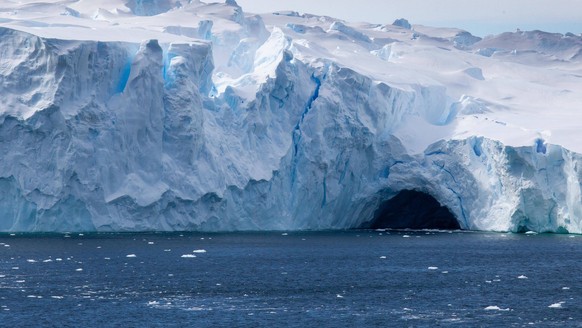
(324, 279)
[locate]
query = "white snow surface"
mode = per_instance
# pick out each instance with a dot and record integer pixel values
(127, 115)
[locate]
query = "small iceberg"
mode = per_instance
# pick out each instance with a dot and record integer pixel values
(495, 308)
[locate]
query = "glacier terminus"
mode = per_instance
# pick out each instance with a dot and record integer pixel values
(165, 115)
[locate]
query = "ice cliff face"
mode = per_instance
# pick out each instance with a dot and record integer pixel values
(222, 120)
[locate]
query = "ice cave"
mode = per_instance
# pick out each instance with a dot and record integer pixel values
(411, 209)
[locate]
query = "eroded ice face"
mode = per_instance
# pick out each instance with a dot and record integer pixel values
(191, 116)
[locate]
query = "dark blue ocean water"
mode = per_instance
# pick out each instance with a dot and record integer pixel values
(332, 279)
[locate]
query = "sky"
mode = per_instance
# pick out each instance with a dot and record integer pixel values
(480, 17)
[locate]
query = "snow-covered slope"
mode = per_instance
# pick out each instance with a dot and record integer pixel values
(124, 115)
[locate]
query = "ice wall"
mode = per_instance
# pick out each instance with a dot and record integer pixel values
(122, 136)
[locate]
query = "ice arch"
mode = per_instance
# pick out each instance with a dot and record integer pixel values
(411, 209)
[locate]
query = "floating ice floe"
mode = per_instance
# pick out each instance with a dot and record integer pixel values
(199, 251)
(495, 308)
(522, 277)
(131, 255)
(556, 305)
(197, 308)
(188, 256)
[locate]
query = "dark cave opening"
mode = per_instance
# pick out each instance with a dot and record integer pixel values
(411, 209)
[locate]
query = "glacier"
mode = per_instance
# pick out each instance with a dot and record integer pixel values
(190, 116)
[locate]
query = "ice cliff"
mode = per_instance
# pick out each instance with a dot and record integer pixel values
(167, 115)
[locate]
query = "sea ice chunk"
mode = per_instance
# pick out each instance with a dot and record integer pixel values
(556, 305)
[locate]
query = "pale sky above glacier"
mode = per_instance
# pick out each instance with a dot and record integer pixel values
(481, 17)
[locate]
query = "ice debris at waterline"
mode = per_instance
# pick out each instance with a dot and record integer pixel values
(184, 115)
